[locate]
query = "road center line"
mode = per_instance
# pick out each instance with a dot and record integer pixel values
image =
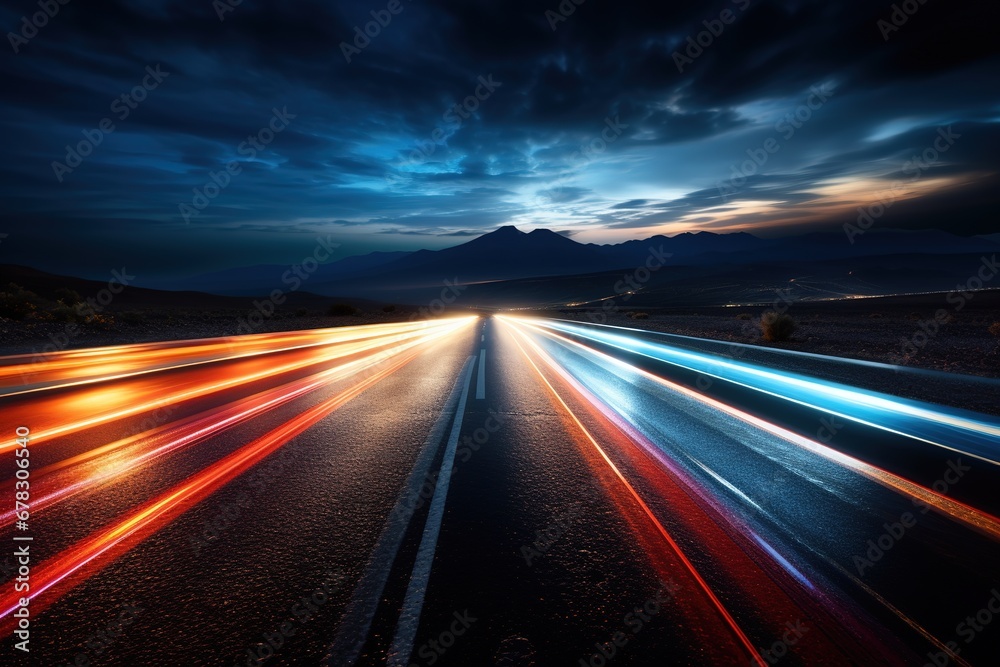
(364, 602)
(481, 379)
(409, 618)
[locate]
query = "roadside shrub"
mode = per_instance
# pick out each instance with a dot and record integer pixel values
(65, 313)
(389, 309)
(640, 316)
(301, 312)
(67, 296)
(17, 303)
(995, 329)
(744, 316)
(342, 309)
(776, 327)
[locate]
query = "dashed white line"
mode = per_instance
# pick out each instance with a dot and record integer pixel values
(481, 378)
(361, 610)
(409, 619)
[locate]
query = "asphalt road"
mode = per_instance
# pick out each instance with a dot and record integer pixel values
(489, 492)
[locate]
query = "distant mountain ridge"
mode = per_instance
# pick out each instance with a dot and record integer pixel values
(511, 254)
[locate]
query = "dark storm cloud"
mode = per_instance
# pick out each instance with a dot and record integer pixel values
(588, 127)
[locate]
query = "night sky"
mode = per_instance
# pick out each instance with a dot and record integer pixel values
(580, 122)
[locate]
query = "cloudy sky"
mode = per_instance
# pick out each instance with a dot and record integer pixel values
(608, 122)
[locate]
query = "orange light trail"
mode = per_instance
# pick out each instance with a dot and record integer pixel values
(76, 367)
(66, 570)
(151, 395)
(56, 483)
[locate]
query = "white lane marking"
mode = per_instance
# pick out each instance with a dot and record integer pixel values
(361, 610)
(481, 379)
(483, 337)
(409, 618)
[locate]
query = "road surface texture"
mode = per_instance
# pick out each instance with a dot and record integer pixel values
(490, 491)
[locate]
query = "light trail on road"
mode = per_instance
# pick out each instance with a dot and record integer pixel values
(615, 389)
(59, 574)
(948, 428)
(27, 373)
(761, 524)
(64, 415)
(729, 621)
(68, 477)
